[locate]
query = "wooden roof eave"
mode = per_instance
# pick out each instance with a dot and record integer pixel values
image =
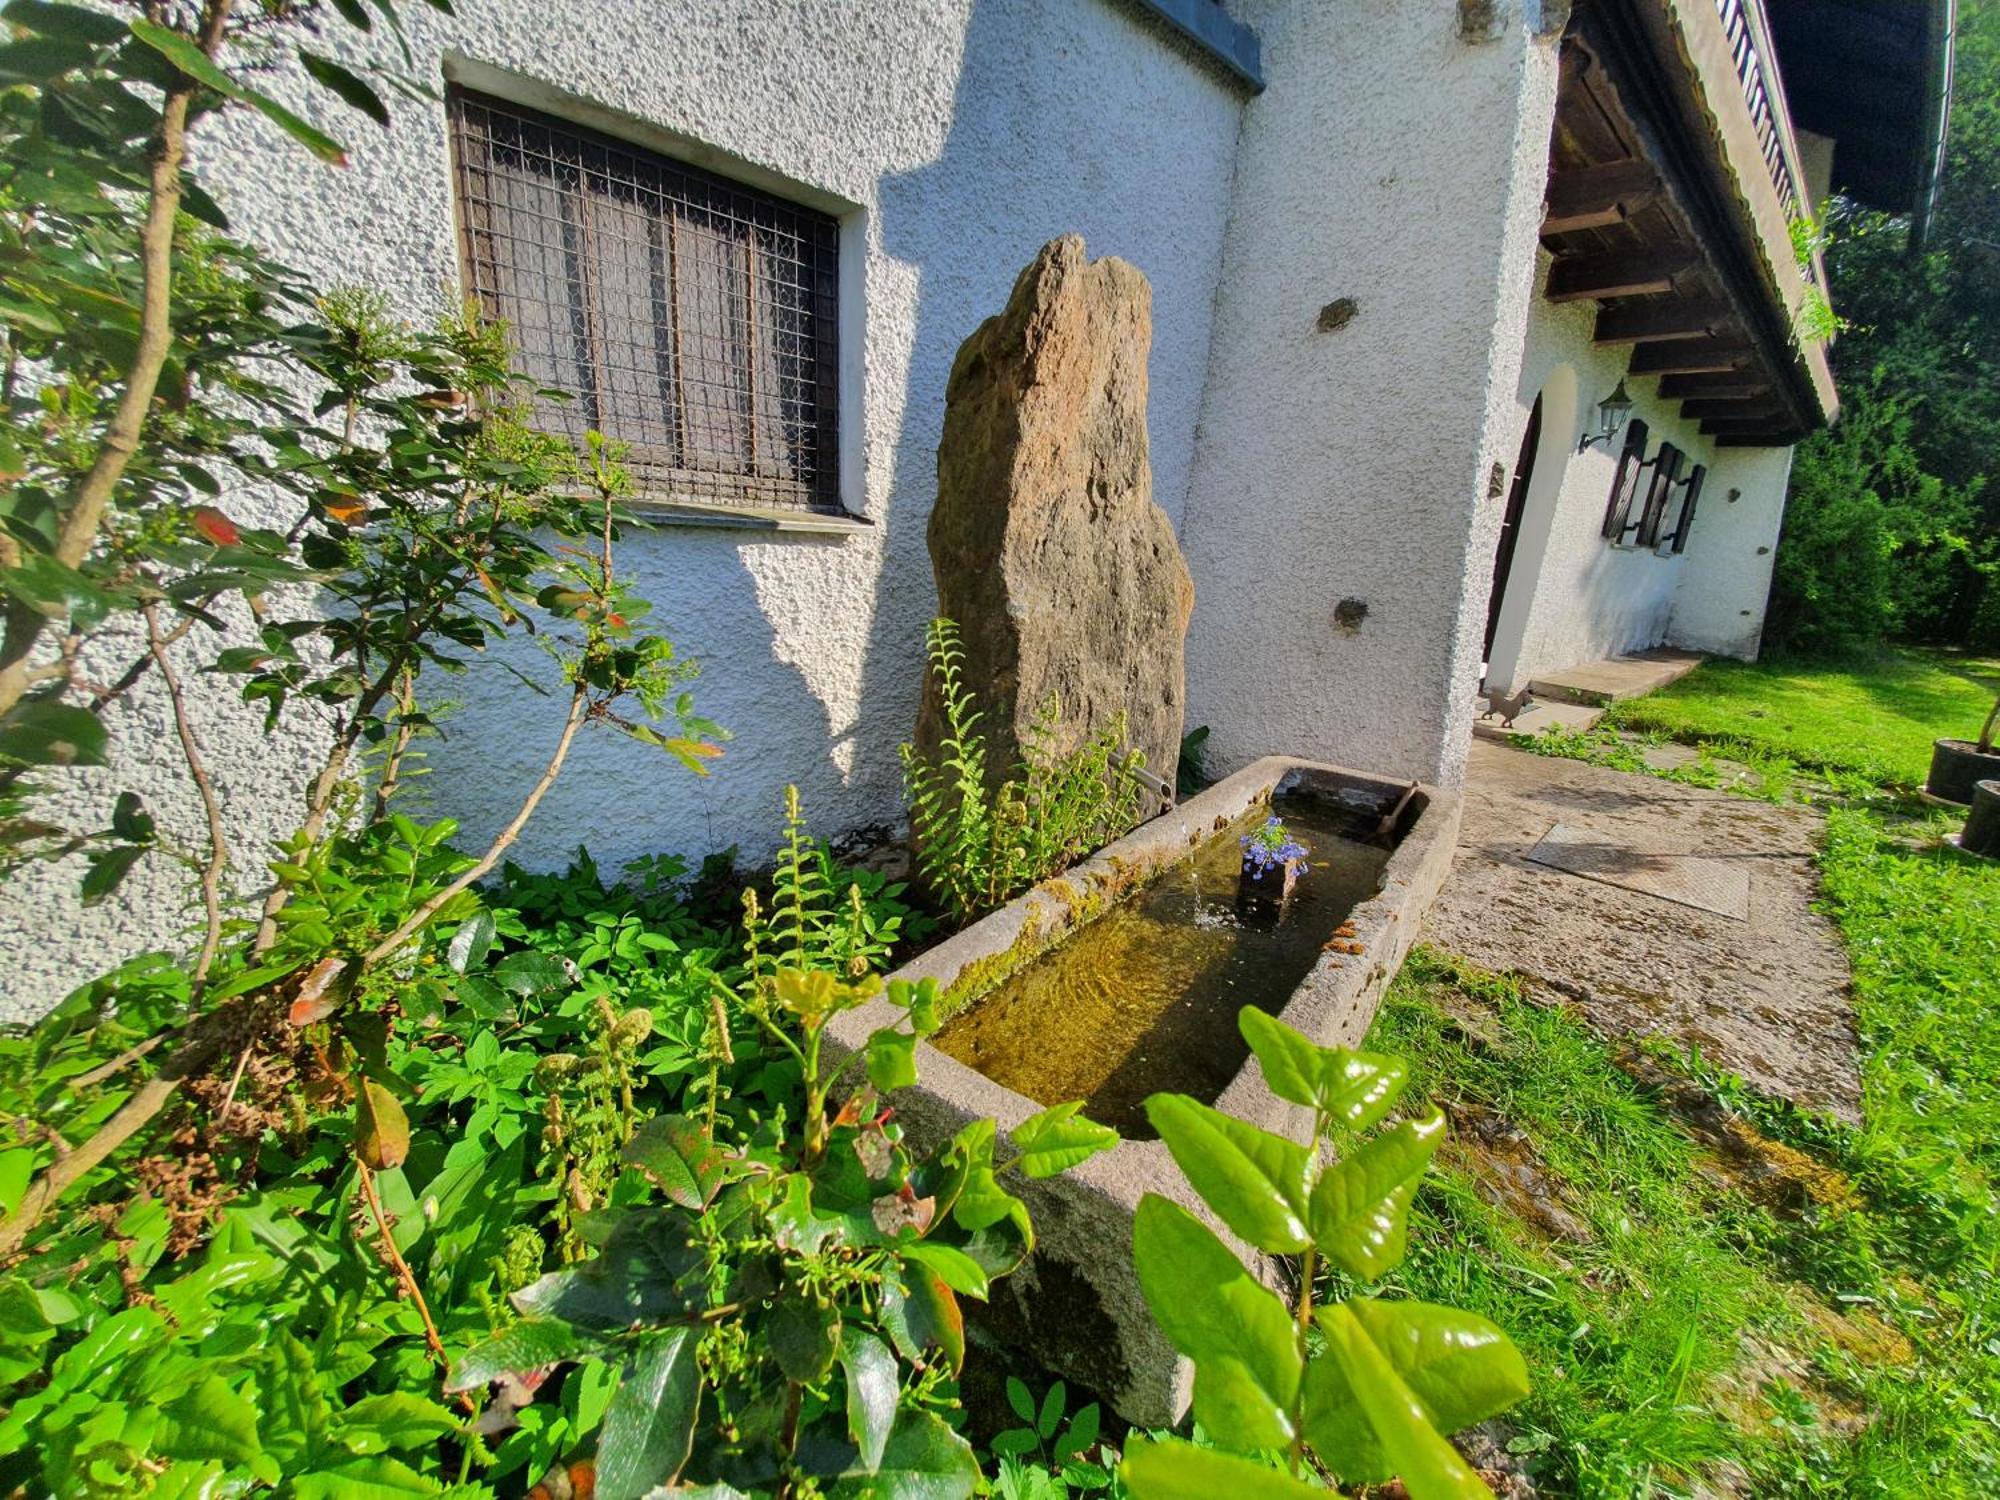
(1691, 57)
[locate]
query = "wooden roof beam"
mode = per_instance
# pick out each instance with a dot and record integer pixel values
(1597, 197)
(1691, 357)
(1664, 318)
(1742, 385)
(1747, 427)
(1711, 408)
(1625, 273)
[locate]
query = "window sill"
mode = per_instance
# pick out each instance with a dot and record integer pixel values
(747, 517)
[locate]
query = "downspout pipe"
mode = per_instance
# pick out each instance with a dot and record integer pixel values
(1929, 168)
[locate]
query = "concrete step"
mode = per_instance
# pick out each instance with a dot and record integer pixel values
(1599, 684)
(1537, 717)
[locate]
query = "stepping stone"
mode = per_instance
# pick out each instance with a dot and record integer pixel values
(1535, 719)
(1616, 678)
(1714, 885)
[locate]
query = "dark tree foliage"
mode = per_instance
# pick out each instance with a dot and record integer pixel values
(1892, 530)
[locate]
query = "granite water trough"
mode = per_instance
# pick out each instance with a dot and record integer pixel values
(1124, 975)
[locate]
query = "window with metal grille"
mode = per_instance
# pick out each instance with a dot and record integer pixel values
(689, 316)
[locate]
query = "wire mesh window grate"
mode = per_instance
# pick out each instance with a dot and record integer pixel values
(689, 316)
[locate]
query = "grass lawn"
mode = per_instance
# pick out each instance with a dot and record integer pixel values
(1877, 720)
(1826, 1323)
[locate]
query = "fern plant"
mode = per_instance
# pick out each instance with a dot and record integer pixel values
(979, 844)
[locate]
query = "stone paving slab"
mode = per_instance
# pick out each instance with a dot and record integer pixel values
(1535, 719)
(1766, 996)
(1705, 884)
(1616, 678)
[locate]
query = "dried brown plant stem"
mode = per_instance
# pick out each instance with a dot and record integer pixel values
(407, 1278)
(218, 843)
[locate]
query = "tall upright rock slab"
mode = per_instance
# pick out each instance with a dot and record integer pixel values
(1063, 575)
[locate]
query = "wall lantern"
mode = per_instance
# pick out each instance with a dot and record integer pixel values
(1611, 414)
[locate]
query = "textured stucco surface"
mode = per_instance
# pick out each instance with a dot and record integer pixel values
(1391, 162)
(1572, 597)
(956, 137)
(1726, 580)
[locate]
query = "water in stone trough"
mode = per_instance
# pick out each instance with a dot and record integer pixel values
(1145, 997)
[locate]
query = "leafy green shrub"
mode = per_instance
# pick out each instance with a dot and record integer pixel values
(790, 1248)
(981, 840)
(1388, 1376)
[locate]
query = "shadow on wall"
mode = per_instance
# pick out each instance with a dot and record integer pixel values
(619, 798)
(1041, 145)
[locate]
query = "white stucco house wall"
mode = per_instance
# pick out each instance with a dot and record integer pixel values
(1349, 215)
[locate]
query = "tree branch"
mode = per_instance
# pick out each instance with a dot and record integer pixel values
(502, 842)
(218, 843)
(81, 521)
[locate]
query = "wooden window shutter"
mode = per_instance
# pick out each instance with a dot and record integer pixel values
(1659, 493)
(1625, 484)
(1690, 493)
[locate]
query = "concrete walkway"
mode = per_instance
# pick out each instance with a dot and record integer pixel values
(1765, 996)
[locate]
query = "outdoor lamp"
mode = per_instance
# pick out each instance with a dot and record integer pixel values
(1611, 414)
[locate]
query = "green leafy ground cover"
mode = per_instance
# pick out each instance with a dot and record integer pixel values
(1823, 1323)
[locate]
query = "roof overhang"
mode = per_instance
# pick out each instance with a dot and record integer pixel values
(1691, 259)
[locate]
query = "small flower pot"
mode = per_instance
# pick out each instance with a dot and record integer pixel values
(1956, 767)
(1263, 891)
(1982, 824)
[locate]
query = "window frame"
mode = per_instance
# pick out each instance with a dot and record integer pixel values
(661, 187)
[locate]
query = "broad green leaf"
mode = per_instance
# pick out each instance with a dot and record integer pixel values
(397, 1419)
(804, 1335)
(1354, 1089)
(874, 1388)
(953, 1266)
(330, 74)
(1169, 1469)
(191, 60)
(1459, 1368)
(1060, 1138)
(106, 871)
(649, 1427)
(920, 1000)
(1361, 1087)
(75, 22)
(681, 1156)
(376, 1477)
(1021, 1398)
(209, 1420)
(130, 820)
(892, 1059)
(468, 946)
(532, 1345)
(981, 1202)
(1254, 1180)
(645, 1273)
(1361, 1205)
(923, 1460)
(1244, 1344)
(381, 1129)
(920, 1314)
(1290, 1061)
(1368, 1426)
(41, 733)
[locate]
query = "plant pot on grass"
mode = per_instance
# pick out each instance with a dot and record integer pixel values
(1982, 824)
(1959, 765)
